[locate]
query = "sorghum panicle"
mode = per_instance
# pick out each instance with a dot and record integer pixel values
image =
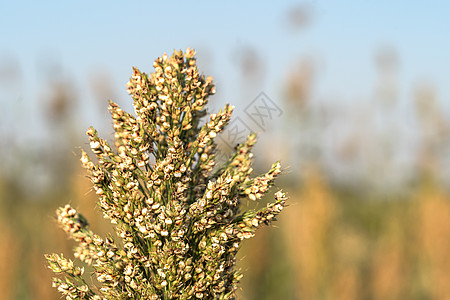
(177, 217)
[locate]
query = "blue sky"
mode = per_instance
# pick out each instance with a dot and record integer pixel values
(82, 37)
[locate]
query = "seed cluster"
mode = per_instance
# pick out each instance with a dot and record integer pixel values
(177, 215)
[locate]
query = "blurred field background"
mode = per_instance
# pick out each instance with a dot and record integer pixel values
(364, 128)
